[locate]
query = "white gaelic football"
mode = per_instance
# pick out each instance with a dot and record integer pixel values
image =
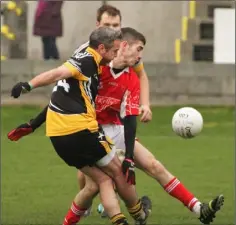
(187, 122)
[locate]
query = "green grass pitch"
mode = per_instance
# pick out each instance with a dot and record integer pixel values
(37, 187)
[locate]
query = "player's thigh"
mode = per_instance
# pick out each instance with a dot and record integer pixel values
(113, 168)
(142, 156)
(94, 174)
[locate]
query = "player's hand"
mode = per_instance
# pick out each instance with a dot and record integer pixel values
(19, 132)
(20, 88)
(146, 113)
(128, 170)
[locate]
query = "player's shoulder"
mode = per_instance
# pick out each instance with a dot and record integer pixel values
(82, 58)
(83, 62)
(81, 48)
(80, 53)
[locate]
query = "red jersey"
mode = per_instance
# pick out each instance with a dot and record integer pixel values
(118, 95)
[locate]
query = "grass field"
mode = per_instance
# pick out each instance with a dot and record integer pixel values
(37, 187)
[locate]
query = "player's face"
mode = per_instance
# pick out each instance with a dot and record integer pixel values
(111, 53)
(109, 21)
(133, 53)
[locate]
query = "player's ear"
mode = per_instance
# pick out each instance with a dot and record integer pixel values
(97, 24)
(102, 49)
(123, 45)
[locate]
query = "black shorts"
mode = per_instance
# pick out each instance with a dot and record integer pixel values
(83, 148)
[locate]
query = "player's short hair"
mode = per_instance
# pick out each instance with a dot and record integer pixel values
(104, 35)
(129, 34)
(110, 10)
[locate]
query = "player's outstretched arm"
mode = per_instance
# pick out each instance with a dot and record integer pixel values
(42, 79)
(130, 125)
(28, 128)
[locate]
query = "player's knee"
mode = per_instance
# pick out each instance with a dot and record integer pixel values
(91, 189)
(80, 175)
(113, 168)
(155, 168)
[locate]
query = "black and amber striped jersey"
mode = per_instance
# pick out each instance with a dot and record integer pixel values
(72, 105)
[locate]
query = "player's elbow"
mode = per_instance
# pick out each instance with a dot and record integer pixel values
(91, 189)
(61, 72)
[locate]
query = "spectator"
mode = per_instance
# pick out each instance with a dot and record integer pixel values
(48, 25)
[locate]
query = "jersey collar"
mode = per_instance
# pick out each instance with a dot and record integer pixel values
(117, 75)
(126, 69)
(96, 55)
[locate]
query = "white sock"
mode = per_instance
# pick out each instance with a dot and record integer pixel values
(196, 208)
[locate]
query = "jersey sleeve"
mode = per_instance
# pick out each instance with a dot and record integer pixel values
(131, 99)
(138, 66)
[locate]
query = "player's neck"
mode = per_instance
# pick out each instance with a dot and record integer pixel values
(118, 64)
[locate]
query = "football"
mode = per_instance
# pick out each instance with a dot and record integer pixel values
(187, 122)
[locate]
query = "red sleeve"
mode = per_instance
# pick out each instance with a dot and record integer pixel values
(131, 98)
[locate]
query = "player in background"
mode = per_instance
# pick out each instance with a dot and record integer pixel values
(76, 135)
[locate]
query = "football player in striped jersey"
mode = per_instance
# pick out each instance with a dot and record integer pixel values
(76, 135)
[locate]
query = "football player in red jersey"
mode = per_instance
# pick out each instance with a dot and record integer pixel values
(117, 100)
(119, 90)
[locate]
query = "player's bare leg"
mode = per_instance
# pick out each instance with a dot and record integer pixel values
(126, 191)
(151, 165)
(95, 180)
(81, 179)
(146, 161)
(146, 201)
(81, 183)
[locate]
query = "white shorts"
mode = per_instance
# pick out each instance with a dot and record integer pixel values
(116, 134)
(107, 159)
